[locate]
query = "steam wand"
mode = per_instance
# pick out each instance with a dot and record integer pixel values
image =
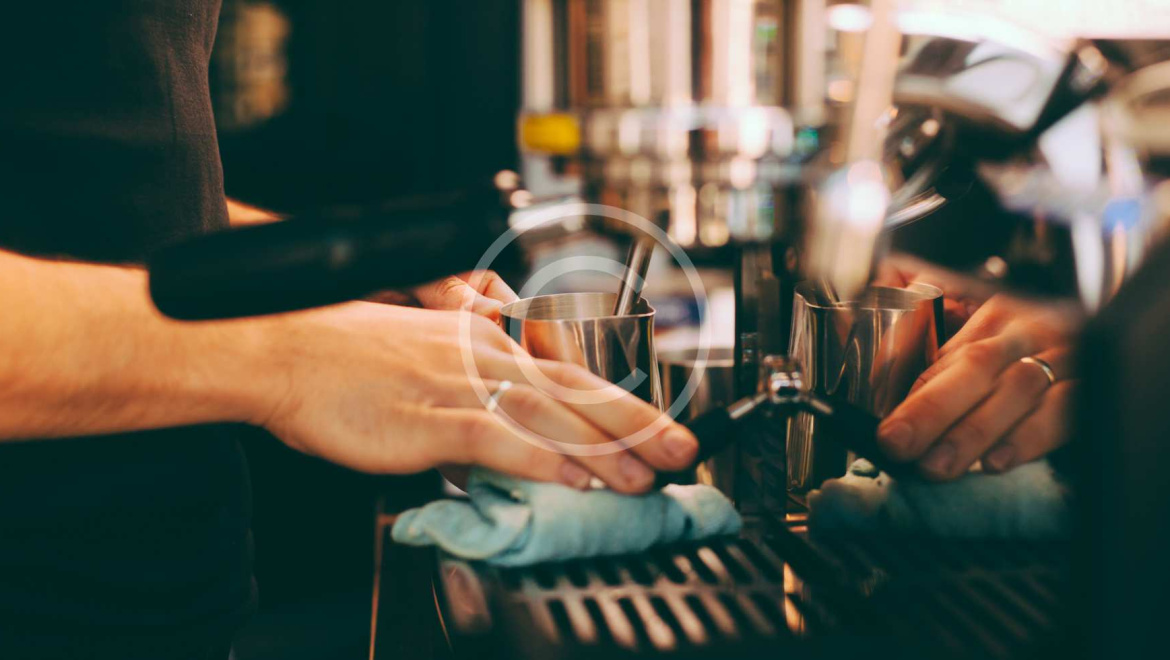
(637, 263)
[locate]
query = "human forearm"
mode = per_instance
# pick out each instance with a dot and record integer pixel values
(377, 388)
(85, 352)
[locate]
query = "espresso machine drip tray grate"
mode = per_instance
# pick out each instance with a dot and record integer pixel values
(766, 594)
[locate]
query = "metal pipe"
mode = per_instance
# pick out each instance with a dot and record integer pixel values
(637, 263)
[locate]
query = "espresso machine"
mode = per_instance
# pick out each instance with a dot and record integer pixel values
(795, 140)
(804, 140)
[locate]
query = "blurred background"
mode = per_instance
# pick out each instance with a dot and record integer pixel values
(356, 100)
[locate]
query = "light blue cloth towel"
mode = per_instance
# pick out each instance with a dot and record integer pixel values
(1027, 502)
(514, 522)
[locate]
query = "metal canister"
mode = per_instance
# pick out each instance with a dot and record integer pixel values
(580, 328)
(716, 389)
(869, 351)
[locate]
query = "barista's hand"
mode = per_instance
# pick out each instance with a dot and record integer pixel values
(383, 389)
(979, 401)
(483, 291)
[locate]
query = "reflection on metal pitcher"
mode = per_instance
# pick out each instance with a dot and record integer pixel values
(580, 328)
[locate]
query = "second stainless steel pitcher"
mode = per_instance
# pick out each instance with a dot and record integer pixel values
(869, 351)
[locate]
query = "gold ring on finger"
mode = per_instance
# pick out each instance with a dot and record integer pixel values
(1044, 366)
(493, 401)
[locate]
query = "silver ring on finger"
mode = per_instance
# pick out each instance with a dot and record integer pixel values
(1044, 366)
(493, 401)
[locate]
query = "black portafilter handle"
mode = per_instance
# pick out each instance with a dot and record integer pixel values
(715, 430)
(319, 260)
(855, 429)
(849, 425)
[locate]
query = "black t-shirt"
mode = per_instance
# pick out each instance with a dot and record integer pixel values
(108, 149)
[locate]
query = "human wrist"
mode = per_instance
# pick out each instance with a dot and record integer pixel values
(253, 378)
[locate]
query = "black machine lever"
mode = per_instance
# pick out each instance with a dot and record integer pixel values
(849, 425)
(855, 429)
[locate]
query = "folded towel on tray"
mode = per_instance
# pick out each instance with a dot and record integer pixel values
(1027, 502)
(513, 522)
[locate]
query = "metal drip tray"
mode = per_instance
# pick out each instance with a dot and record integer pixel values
(955, 598)
(762, 594)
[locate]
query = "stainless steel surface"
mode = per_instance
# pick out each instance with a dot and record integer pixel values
(1137, 112)
(825, 292)
(867, 106)
(637, 263)
(773, 594)
(762, 323)
(854, 198)
(686, 113)
(869, 351)
(580, 328)
(1135, 125)
(707, 117)
(992, 72)
(997, 84)
(850, 215)
(783, 379)
(716, 390)
(1096, 172)
(745, 406)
